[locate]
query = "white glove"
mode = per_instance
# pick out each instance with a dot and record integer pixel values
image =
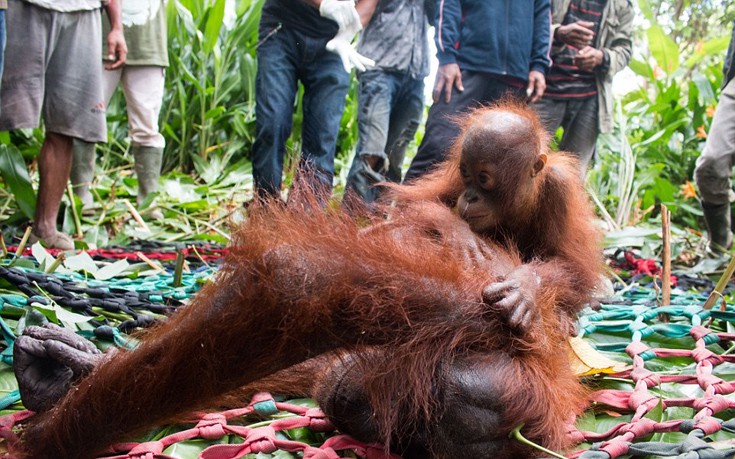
(341, 45)
(342, 12)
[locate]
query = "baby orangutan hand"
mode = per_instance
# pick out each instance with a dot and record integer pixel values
(515, 298)
(48, 360)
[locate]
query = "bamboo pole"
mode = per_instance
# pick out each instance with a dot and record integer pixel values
(666, 264)
(720, 287)
(137, 217)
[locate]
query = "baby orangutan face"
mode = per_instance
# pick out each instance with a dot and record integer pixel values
(499, 165)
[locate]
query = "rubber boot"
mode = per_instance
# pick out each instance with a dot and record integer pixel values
(148, 169)
(717, 217)
(82, 171)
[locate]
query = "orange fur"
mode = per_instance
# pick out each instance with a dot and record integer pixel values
(301, 283)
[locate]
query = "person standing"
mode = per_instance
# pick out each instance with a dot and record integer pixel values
(142, 82)
(486, 50)
(714, 166)
(305, 41)
(53, 71)
(390, 95)
(592, 42)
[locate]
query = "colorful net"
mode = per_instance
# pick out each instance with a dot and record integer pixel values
(674, 399)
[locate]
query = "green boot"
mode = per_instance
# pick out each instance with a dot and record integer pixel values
(82, 171)
(148, 168)
(717, 217)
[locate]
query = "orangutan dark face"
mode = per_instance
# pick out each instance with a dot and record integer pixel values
(499, 164)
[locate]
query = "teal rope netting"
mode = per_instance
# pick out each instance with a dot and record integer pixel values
(652, 402)
(654, 408)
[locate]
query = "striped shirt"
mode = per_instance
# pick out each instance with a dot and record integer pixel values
(565, 80)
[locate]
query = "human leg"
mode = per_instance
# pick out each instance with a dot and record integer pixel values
(325, 90)
(71, 103)
(580, 130)
(54, 163)
(275, 92)
(83, 153)
(143, 88)
(21, 94)
(74, 103)
(408, 109)
(712, 173)
(374, 99)
(82, 171)
(440, 130)
(550, 113)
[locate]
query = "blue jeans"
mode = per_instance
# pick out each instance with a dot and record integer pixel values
(2, 43)
(284, 58)
(441, 130)
(390, 109)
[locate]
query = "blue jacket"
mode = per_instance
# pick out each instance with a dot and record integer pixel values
(502, 37)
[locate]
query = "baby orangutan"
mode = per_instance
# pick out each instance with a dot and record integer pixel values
(435, 332)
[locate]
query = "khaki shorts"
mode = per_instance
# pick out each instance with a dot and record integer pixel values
(53, 68)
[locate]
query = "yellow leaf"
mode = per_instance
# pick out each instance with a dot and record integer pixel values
(585, 360)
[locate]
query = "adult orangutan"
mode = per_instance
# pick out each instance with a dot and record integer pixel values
(436, 331)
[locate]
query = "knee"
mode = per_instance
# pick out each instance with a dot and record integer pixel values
(60, 142)
(713, 180)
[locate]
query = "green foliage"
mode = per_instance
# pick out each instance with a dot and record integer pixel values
(209, 99)
(659, 131)
(15, 175)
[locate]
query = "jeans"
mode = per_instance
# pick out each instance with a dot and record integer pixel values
(285, 57)
(714, 166)
(2, 43)
(441, 131)
(578, 118)
(390, 108)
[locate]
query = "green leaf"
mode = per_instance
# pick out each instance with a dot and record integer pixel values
(187, 449)
(213, 26)
(708, 48)
(7, 381)
(663, 49)
(15, 174)
(641, 68)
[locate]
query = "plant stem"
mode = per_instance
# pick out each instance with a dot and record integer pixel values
(516, 433)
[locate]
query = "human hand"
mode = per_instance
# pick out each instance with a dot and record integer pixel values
(47, 361)
(341, 45)
(117, 49)
(342, 12)
(588, 58)
(448, 76)
(515, 298)
(536, 86)
(577, 34)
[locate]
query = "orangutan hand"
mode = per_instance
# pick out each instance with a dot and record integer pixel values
(515, 298)
(47, 361)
